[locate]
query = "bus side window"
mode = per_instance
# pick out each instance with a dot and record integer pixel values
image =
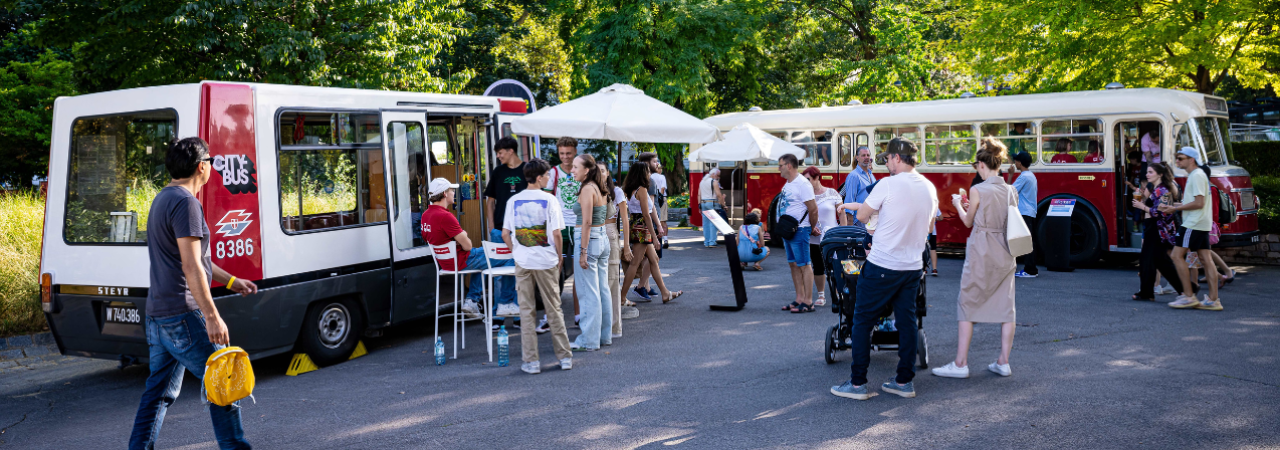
(1016, 136)
(949, 145)
(884, 135)
(331, 170)
(1072, 141)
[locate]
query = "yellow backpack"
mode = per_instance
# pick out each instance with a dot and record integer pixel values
(228, 377)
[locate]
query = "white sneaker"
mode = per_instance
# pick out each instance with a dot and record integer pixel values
(615, 335)
(508, 310)
(471, 309)
(1000, 369)
(531, 367)
(951, 371)
(822, 299)
(1165, 289)
(543, 327)
(566, 364)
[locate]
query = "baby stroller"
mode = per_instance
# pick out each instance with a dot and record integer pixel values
(849, 243)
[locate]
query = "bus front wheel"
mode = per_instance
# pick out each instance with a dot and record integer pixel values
(330, 331)
(1086, 238)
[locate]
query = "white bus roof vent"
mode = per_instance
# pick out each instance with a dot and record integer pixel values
(1114, 85)
(854, 102)
(755, 109)
(968, 94)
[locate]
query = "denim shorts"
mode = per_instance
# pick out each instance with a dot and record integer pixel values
(798, 247)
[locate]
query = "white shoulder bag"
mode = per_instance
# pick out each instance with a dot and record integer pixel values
(1016, 231)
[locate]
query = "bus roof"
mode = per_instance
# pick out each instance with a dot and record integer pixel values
(413, 98)
(1183, 104)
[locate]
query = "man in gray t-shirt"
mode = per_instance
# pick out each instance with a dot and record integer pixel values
(182, 323)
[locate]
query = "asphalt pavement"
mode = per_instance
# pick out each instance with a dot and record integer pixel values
(1091, 369)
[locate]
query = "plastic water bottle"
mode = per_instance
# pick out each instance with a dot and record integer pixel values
(439, 351)
(503, 349)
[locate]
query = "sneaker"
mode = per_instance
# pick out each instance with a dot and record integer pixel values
(630, 312)
(566, 364)
(822, 299)
(935, 272)
(1184, 302)
(951, 371)
(848, 390)
(643, 294)
(508, 310)
(652, 292)
(543, 327)
(578, 348)
(615, 335)
(1165, 290)
(1024, 274)
(1210, 305)
(531, 367)
(514, 327)
(1000, 369)
(471, 309)
(577, 318)
(903, 390)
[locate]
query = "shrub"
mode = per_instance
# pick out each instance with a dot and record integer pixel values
(21, 221)
(1259, 158)
(679, 201)
(1268, 190)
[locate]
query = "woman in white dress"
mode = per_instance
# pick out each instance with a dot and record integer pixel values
(828, 199)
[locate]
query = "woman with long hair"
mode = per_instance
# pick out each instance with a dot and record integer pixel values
(751, 248)
(1159, 230)
(617, 253)
(986, 284)
(641, 231)
(592, 246)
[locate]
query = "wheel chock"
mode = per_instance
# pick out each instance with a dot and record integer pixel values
(359, 351)
(301, 364)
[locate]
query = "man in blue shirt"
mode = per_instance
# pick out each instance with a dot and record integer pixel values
(855, 185)
(1027, 197)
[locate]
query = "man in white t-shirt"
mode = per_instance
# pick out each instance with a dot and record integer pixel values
(1193, 235)
(531, 227)
(905, 202)
(799, 202)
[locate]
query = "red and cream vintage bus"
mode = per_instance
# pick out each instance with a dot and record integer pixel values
(316, 196)
(1101, 127)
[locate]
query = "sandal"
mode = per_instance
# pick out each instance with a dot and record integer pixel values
(626, 302)
(802, 308)
(674, 296)
(790, 307)
(757, 267)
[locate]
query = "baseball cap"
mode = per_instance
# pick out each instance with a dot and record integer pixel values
(1190, 152)
(439, 185)
(1023, 157)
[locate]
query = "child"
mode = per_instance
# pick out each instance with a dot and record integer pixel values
(531, 227)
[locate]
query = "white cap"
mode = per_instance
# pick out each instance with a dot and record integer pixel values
(439, 185)
(1190, 152)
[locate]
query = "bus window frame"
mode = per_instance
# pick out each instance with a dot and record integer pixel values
(974, 128)
(280, 112)
(876, 162)
(66, 200)
(853, 150)
(1042, 138)
(787, 134)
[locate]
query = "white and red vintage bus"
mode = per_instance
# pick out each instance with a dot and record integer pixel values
(316, 197)
(1101, 127)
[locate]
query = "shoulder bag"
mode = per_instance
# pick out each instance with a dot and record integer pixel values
(1017, 233)
(787, 226)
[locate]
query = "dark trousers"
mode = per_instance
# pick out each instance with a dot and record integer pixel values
(1155, 257)
(878, 288)
(1028, 260)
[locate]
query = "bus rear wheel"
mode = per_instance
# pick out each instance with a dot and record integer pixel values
(330, 331)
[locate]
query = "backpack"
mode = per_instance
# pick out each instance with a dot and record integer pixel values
(228, 377)
(1226, 209)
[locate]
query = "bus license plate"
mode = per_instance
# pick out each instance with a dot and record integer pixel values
(116, 313)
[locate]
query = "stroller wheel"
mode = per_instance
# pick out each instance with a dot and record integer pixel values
(922, 349)
(830, 349)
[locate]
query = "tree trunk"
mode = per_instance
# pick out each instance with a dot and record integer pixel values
(672, 157)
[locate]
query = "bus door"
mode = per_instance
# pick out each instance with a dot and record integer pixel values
(1127, 140)
(459, 152)
(412, 271)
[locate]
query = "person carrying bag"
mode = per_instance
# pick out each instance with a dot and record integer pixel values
(1016, 231)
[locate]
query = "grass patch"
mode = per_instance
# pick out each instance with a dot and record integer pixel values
(21, 220)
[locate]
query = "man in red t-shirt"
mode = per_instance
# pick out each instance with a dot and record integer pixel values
(439, 226)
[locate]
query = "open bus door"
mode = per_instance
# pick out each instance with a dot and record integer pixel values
(405, 155)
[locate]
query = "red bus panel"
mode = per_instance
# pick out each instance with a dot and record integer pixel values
(231, 197)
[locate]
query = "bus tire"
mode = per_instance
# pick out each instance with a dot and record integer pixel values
(1087, 238)
(331, 330)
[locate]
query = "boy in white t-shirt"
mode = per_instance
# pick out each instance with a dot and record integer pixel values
(531, 227)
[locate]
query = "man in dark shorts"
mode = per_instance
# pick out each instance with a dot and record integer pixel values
(1193, 235)
(182, 323)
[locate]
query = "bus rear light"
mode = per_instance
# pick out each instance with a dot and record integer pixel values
(46, 292)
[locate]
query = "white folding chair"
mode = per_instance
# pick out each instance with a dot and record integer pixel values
(494, 251)
(446, 252)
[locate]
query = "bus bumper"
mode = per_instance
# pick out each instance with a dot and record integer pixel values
(1238, 239)
(80, 329)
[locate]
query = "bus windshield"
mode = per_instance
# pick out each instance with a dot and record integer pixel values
(1212, 138)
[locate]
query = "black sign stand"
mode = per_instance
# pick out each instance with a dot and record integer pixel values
(735, 268)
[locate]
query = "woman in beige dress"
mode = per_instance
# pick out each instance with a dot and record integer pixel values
(986, 285)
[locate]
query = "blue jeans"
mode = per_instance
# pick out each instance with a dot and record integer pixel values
(879, 288)
(798, 247)
(504, 285)
(708, 229)
(177, 342)
(594, 295)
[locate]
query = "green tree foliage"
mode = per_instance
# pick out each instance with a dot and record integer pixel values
(27, 92)
(382, 44)
(1055, 45)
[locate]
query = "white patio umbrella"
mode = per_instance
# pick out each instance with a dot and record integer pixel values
(619, 113)
(746, 143)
